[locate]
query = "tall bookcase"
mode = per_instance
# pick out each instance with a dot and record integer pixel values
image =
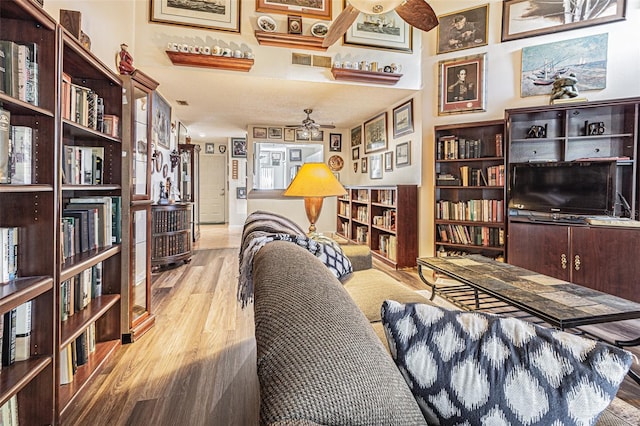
(33, 209)
(470, 188)
(384, 218)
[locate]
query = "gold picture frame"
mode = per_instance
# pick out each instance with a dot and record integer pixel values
(221, 16)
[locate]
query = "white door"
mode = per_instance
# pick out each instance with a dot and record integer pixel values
(213, 196)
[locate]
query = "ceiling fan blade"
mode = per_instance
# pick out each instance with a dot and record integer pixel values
(340, 25)
(418, 14)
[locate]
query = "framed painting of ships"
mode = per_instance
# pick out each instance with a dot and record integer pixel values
(386, 31)
(219, 15)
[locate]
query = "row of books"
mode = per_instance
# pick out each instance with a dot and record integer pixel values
(442, 252)
(362, 234)
(16, 334)
(82, 165)
(492, 176)
(76, 354)
(361, 195)
(19, 70)
(77, 292)
(9, 412)
(452, 147)
(362, 214)
(171, 221)
(345, 229)
(386, 196)
(344, 209)
(483, 210)
(170, 245)
(84, 106)
(16, 144)
(387, 220)
(388, 245)
(8, 253)
(471, 235)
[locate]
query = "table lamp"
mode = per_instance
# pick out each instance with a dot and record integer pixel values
(314, 181)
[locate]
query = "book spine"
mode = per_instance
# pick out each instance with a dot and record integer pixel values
(9, 338)
(23, 331)
(5, 146)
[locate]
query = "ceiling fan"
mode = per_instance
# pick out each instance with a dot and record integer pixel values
(310, 124)
(417, 13)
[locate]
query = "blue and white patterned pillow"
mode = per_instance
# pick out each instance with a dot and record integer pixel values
(472, 368)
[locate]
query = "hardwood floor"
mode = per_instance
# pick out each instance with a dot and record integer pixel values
(197, 365)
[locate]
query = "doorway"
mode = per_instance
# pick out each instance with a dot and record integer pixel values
(213, 194)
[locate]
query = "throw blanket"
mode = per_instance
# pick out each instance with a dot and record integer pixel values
(261, 228)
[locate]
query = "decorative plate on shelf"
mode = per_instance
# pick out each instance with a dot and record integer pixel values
(267, 23)
(335, 163)
(319, 29)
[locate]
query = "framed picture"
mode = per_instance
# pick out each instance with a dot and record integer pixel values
(276, 158)
(241, 192)
(363, 165)
(403, 154)
(585, 57)
(530, 18)
(295, 154)
(294, 24)
(462, 84)
(275, 132)
(403, 119)
(239, 147)
(260, 132)
(463, 29)
(161, 124)
(310, 8)
(209, 148)
(388, 161)
(317, 136)
(375, 133)
(301, 135)
(355, 167)
(223, 15)
(289, 134)
(355, 153)
(395, 35)
(356, 136)
(182, 133)
(335, 142)
(375, 166)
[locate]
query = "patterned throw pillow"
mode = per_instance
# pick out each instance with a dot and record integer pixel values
(472, 368)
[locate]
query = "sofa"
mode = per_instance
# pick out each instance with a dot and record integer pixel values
(322, 354)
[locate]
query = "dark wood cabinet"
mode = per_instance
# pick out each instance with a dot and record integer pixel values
(171, 239)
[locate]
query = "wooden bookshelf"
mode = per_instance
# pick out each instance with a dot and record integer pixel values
(210, 61)
(365, 76)
(290, 41)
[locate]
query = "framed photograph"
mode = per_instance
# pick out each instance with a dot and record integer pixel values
(274, 132)
(388, 161)
(223, 15)
(363, 165)
(387, 31)
(295, 154)
(356, 136)
(301, 135)
(375, 133)
(529, 18)
(276, 158)
(310, 8)
(161, 124)
(462, 84)
(294, 24)
(403, 154)
(241, 192)
(260, 132)
(355, 167)
(375, 166)
(317, 136)
(289, 134)
(403, 119)
(355, 153)
(239, 147)
(209, 148)
(335, 142)
(463, 29)
(585, 57)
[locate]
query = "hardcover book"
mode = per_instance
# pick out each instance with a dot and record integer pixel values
(5, 146)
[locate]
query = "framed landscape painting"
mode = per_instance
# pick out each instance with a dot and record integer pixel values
(375, 133)
(529, 18)
(222, 15)
(384, 31)
(320, 9)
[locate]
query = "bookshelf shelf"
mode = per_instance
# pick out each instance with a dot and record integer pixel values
(78, 322)
(14, 378)
(365, 76)
(210, 61)
(290, 41)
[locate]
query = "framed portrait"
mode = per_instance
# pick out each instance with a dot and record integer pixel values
(301, 135)
(317, 136)
(223, 15)
(403, 154)
(335, 142)
(363, 165)
(403, 119)
(241, 192)
(310, 8)
(260, 132)
(161, 124)
(375, 133)
(355, 153)
(463, 29)
(529, 18)
(585, 57)
(356, 136)
(395, 34)
(209, 148)
(295, 154)
(294, 24)
(239, 147)
(462, 84)
(375, 166)
(274, 132)
(388, 161)
(289, 134)
(182, 133)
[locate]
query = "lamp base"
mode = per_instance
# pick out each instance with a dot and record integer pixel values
(312, 206)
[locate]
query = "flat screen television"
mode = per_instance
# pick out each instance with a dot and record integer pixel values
(564, 187)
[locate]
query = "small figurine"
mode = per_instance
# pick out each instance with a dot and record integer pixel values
(163, 195)
(564, 87)
(124, 60)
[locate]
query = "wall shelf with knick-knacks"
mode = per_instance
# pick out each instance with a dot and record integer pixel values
(295, 41)
(363, 76)
(210, 61)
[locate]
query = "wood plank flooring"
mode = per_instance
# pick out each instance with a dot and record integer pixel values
(197, 366)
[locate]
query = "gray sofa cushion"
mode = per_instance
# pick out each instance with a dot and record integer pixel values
(318, 357)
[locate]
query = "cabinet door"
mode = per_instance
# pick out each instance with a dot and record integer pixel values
(605, 259)
(540, 248)
(141, 150)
